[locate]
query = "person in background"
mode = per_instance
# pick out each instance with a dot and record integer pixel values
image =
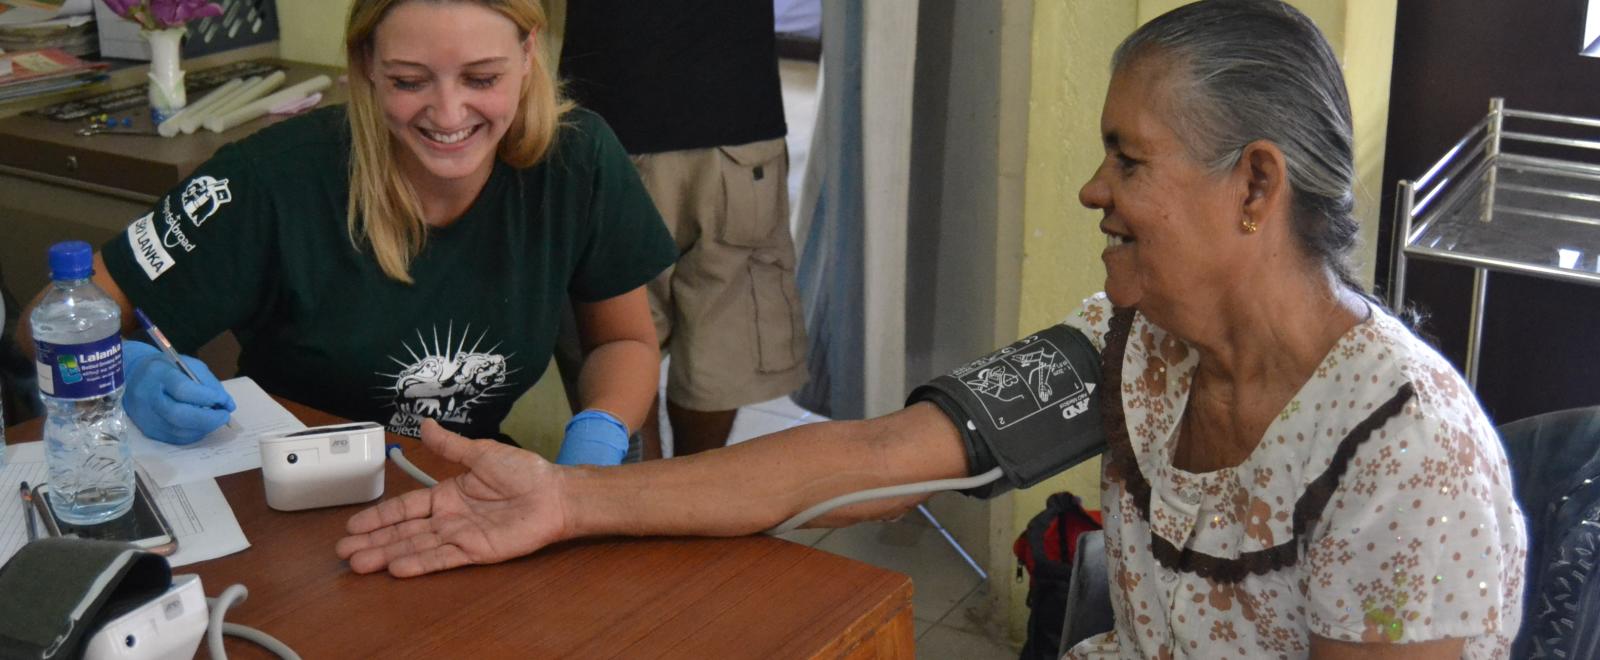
(19, 397)
(692, 90)
(798, 18)
(407, 256)
(1289, 472)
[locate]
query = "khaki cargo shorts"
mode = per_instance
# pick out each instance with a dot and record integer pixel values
(727, 311)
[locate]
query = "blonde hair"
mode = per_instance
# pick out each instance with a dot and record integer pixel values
(384, 208)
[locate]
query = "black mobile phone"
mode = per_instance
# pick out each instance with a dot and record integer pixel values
(143, 525)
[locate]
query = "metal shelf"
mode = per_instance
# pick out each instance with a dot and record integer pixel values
(1511, 201)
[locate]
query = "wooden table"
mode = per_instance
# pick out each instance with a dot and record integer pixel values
(751, 597)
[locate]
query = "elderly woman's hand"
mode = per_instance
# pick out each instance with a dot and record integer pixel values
(506, 505)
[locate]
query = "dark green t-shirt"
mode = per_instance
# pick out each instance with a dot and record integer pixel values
(256, 242)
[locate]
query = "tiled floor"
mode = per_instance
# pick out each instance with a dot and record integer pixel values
(946, 588)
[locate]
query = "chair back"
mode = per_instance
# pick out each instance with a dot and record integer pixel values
(1088, 611)
(1555, 471)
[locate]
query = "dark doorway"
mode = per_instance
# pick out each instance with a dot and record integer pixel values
(1541, 343)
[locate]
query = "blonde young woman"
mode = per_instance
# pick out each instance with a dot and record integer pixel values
(406, 257)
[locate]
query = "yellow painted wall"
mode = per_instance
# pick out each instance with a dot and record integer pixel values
(1368, 57)
(313, 31)
(1072, 47)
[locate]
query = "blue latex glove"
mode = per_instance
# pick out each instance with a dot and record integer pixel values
(164, 403)
(594, 437)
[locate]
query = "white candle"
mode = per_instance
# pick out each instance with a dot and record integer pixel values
(259, 107)
(170, 127)
(190, 121)
(247, 96)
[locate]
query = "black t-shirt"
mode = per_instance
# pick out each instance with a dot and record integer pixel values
(256, 242)
(676, 74)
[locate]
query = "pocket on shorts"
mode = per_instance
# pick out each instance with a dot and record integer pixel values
(780, 330)
(756, 194)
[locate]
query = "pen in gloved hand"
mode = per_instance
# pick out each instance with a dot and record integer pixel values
(166, 347)
(163, 344)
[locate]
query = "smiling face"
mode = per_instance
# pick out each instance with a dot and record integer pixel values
(1171, 225)
(448, 78)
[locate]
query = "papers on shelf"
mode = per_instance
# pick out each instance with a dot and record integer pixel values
(35, 11)
(40, 71)
(198, 513)
(233, 448)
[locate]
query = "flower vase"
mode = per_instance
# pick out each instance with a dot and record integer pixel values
(166, 77)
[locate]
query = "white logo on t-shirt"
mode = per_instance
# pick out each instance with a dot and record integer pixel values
(442, 381)
(147, 248)
(173, 235)
(203, 197)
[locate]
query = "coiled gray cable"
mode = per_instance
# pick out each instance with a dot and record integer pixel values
(219, 608)
(879, 493)
(399, 458)
(237, 593)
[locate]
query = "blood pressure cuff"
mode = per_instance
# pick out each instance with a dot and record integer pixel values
(56, 592)
(1029, 408)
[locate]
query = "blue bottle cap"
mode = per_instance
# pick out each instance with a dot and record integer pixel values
(71, 260)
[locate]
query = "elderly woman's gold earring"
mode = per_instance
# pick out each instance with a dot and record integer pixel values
(1250, 225)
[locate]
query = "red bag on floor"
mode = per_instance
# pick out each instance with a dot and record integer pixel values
(1046, 550)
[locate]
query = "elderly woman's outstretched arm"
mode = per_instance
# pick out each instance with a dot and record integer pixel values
(511, 502)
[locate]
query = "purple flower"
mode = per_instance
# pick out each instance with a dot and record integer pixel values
(173, 13)
(122, 7)
(162, 14)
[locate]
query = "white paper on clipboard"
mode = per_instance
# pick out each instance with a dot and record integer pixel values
(232, 448)
(197, 512)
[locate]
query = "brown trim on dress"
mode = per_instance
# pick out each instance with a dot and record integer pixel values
(1222, 570)
(1308, 509)
(1123, 466)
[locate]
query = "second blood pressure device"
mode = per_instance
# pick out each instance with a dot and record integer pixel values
(76, 597)
(1025, 412)
(323, 466)
(170, 625)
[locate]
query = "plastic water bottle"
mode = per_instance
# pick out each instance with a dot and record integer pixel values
(77, 330)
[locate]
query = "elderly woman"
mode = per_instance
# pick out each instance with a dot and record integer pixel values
(1290, 472)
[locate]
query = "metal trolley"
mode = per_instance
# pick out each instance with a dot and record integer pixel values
(1521, 201)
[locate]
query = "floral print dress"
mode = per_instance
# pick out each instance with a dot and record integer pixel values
(1377, 507)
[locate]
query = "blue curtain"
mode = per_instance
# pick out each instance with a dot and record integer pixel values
(830, 276)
